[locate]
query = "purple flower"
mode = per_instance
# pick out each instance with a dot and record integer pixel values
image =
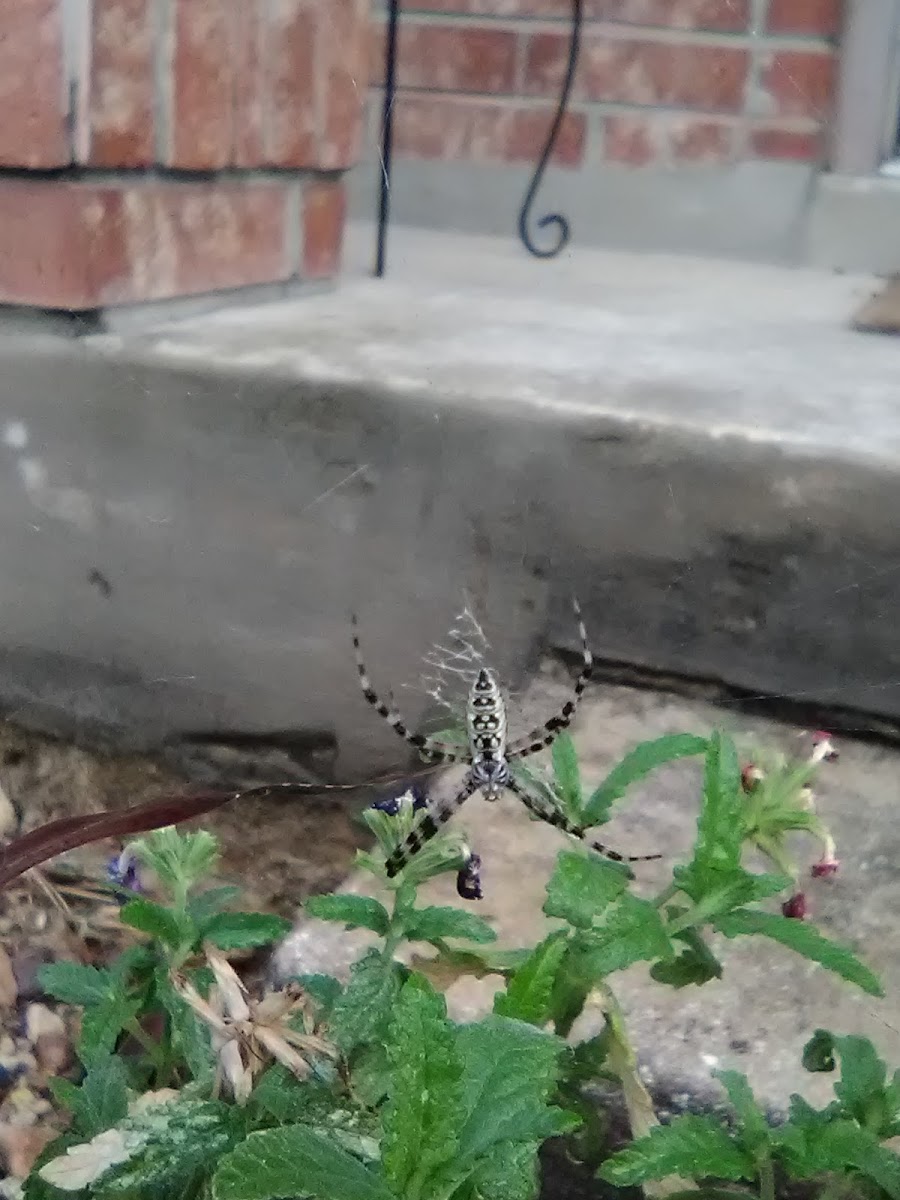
(122, 872)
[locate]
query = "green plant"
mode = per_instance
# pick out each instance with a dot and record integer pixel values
(367, 1089)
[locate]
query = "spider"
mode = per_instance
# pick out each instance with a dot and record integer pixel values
(488, 755)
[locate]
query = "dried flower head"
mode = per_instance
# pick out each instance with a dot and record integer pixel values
(248, 1033)
(751, 777)
(795, 907)
(823, 748)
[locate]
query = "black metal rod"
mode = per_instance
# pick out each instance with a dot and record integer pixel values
(387, 135)
(561, 224)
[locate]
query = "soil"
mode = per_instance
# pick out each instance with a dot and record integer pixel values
(277, 850)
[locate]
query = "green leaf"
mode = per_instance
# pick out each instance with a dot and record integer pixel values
(364, 1008)
(281, 1095)
(581, 888)
(634, 766)
(630, 931)
(180, 860)
(102, 1025)
(510, 1072)
(818, 1053)
(294, 1161)
(720, 827)
(804, 939)
(567, 775)
(371, 1074)
(322, 989)
(436, 923)
(73, 983)
(242, 931)
(755, 1132)
(153, 919)
(184, 1141)
(190, 1036)
(423, 1113)
(814, 1149)
(529, 993)
(692, 1146)
(863, 1076)
(356, 912)
(695, 965)
(207, 904)
(102, 1099)
(508, 1172)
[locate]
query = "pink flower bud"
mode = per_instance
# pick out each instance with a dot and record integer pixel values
(823, 748)
(795, 908)
(825, 867)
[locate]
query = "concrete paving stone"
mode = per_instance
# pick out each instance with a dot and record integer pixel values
(759, 1015)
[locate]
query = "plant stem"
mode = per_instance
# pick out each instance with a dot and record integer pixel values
(670, 890)
(766, 1178)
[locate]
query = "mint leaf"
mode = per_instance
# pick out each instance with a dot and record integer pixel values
(356, 912)
(200, 908)
(720, 828)
(364, 1008)
(529, 993)
(691, 1146)
(694, 965)
(102, 1025)
(294, 1161)
(630, 931)
(818, 1053)
(581, 888)
(804, 939)
(153, 919)
(508, 1172)
(862, 1083)
(184, 1141)
(102, 1099)
(437, 923)
(510, 1071)
(322, 989)
(190, 1036)
(634, 766)
(242, 931)
(567, 775)
(814, 1149)
(73, 983)
(423, 1113)
(755, 1132)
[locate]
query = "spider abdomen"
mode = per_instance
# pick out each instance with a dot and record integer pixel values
(486, 719)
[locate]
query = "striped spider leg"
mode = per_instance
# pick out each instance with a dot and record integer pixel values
(560, 821)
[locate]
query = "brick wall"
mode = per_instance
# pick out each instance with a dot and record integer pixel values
(665, 82)
(151, 149)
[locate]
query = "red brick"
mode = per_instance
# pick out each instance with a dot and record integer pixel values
(799, 83)
(486, 131)
(642, 139)
(120, 115)
(817, 18)
(770, 141)
(203, 84)
(79, 246)
(450, 58)
(33, 86)
(250, 84)
(342, 54)
(293, 124)
(721, 15)
(324, 212)
(642, 71)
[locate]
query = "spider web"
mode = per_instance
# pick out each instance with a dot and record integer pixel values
(451, 665)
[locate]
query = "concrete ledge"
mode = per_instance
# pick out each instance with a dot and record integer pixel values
(855, 223)
(703, 451)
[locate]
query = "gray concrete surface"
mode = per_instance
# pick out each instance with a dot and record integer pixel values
(759, 1015)
(758, 211)
(702, 450)
(855, 223)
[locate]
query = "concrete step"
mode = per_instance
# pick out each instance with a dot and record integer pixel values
(702, 450)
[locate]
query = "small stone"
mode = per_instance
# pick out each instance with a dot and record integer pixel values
(9, 821)
(21, 1146)
(41, 1021)
(53, 1052)
(9, 989)
(26, 964)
